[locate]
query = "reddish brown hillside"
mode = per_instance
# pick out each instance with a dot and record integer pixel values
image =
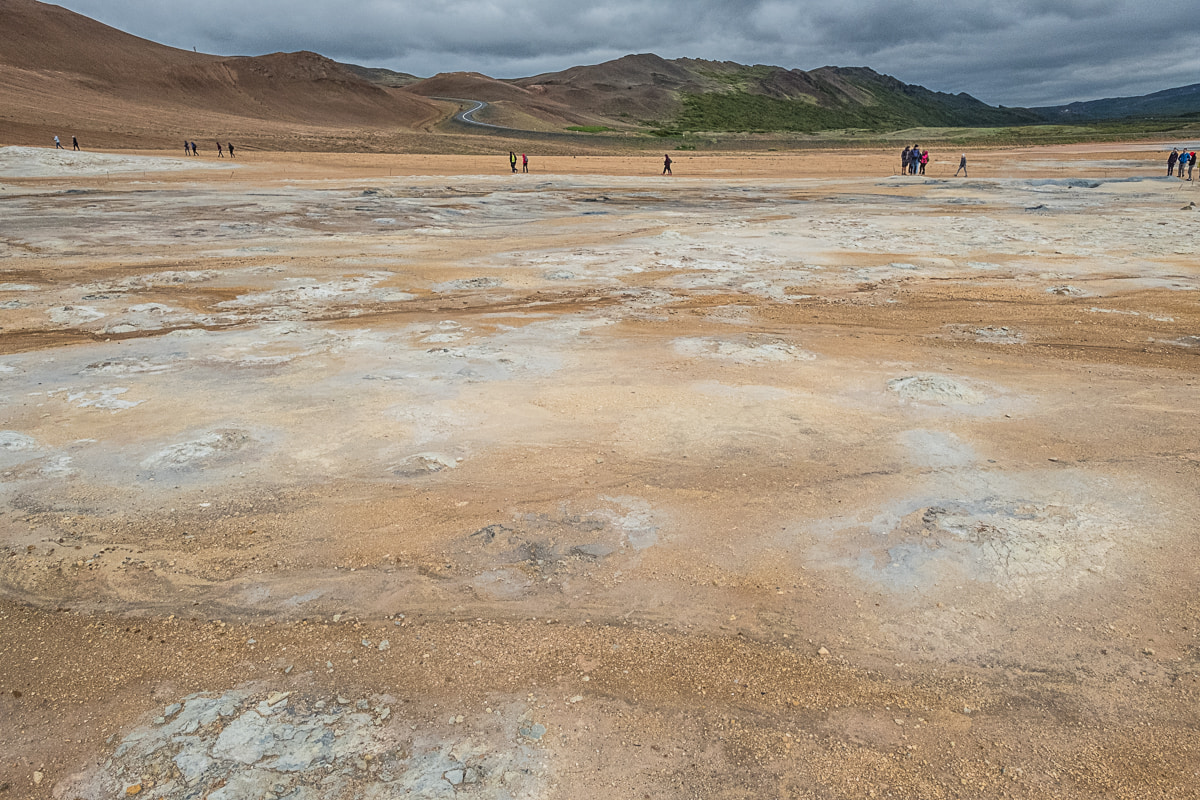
(469, 85)
(642, 86)
(63, 72)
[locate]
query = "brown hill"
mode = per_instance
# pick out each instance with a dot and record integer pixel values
(512, 104)
(61, 71)
(698, 95)
(469, 85)
(643, 86)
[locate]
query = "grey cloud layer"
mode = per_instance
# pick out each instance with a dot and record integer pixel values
(1014, 52)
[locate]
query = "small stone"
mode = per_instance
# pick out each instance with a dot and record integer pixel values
(130, 791)
(534, 731)
(274, 698)
(337, 617)
(458, 719)
(385, 645)
(1148, 651)
(384, 713)
(362, 705)
(823, 651)
(455, 776)
(367, 643)
(37, 778)
(319, 704)
(343, 701)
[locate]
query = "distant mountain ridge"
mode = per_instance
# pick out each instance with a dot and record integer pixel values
(1167, 103)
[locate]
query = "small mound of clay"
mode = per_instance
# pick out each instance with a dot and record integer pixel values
(423, 464)
(748, 351)
(1000, 335)
(198, 452)
(935, 389)
(74, 315)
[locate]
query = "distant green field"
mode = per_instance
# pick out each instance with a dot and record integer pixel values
(893, 116)
(589, 128)
(756, 133)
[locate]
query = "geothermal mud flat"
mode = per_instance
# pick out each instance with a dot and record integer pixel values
(574, 485)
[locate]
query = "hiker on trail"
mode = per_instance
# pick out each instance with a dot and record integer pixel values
(1191, 163)
(231, 149)
(512, 160)
(1183, 160)
(195, 152)
(58, 144)
(187, 147)
(74, 143)
(220, 151)
(667, 164)
(962, 167)
(924, 161)
(1171, 159)
(524, 163)
(914, 159)
(904, 155)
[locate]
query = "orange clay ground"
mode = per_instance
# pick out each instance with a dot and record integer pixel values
(349, 476)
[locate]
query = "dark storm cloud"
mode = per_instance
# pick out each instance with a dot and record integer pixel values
(1015, 52)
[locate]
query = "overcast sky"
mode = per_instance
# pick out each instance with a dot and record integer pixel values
(1006, 52)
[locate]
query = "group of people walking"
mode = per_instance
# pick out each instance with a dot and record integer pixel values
(512, 159)
(189, 149)
(58, 144)
(913, 160)
(1177, 160)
